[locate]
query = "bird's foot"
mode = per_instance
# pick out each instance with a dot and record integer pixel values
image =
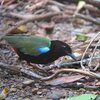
(58, 62)
(55, 64)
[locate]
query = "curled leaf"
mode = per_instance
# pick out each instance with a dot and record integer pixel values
(20, 29)
(4, 93)
(79, 7)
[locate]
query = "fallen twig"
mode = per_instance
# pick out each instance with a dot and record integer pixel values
(84, 61)
(62, 6)
(89, 7)
(88, 18)
(33, 75)
(79, 85)
(19, 71)
(37, 5)
(92, 9)
(36, 17)
(89, 64)
(93, 2)
(89, 73)
(83, 67)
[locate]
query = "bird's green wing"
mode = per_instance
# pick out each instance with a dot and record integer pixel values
(28, 43)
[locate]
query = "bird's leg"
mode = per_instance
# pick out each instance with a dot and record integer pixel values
(55, 64)
(58, 62)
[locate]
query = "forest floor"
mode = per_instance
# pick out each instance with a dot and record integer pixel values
(54, 20)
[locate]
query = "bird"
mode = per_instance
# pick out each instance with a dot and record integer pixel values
(38, 50)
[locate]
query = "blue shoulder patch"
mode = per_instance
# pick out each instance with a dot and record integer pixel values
(43, 49)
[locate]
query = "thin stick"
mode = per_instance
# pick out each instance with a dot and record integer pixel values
(88, 18)
(83, 67)
(93, 53)
(20, 71)
(89, 73)
(36, 17)
(32, 75)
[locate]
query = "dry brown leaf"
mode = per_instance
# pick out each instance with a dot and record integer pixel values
(4, 93)
(66, 79)
(20, 29)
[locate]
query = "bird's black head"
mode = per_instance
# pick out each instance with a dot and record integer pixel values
(62, 49)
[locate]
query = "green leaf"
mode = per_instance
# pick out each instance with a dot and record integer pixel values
(81, 37)
(83, 97)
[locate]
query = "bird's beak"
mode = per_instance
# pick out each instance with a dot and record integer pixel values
(72, 56)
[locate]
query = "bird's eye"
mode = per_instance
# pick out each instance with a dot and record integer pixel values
(64, 46)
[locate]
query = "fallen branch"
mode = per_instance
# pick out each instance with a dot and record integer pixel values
(37, 5)
(64, 65)
(33, 18)
(19, 71)
(83, 67)
(88, 18)
(32, 75)
(92, 9)
(93, 2)
(84, 72)
(39, 17)
(90, 62)
(29, 18)
(89, 7)
(79, 85)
